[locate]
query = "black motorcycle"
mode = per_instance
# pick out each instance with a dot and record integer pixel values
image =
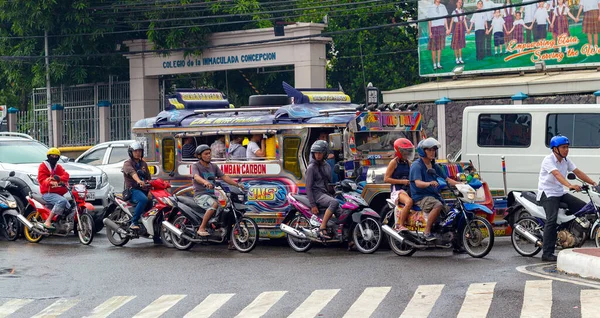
(228, 221)
(9, 210)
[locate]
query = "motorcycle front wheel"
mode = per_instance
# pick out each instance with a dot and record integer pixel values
(520, 243)
(244, 235)
(10, 227)
(597, 236)
(367, 235)
(85, 228)
(122, 219)
(298, 244)
(478, 237)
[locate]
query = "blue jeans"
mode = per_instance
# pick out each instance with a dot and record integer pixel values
(139, 197)
(58, 202)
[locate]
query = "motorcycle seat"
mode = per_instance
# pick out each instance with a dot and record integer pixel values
(189, 202)
(304, 200)
(532, 197)
(38, 198)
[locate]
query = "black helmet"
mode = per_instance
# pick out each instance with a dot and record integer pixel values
(200, 149)
(136, 145)
(348, 185)
(319, 146)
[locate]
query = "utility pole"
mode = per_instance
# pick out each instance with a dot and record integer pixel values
(48, 94)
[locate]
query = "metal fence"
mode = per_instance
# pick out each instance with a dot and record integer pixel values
(80, 114)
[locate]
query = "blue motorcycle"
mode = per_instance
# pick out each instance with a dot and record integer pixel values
(460, 228)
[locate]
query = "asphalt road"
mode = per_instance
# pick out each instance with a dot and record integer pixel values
(60, 276)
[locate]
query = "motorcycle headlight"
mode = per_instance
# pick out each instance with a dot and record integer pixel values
(103, 180)
(34, 179)
(12, 204)
(167, 201)
(471, 195)
(241, 197)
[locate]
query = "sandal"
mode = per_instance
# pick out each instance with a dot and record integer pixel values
(351, 246)
(401, 228)
(203, 233)
(323, 234)
(49, 227)
(231, 247)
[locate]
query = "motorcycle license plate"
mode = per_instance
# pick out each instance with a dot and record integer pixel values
(90, 196)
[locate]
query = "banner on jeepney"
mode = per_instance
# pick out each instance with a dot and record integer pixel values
(555, 32)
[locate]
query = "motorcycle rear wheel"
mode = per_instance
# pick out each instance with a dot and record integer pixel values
(245, 236)
(369, 243)
(297, 244)
(117, 216)
(85, 230)
(597, 237)
(474, 236)
(185, 225)
(10, 228)
(31, 235)
(401, 249)
(521, 244)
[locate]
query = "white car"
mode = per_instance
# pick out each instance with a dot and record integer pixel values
(108, 156)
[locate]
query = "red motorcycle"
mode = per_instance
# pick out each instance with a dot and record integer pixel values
(119, 213)
(77, 219)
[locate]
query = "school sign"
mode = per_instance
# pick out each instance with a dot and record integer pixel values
(561, 34)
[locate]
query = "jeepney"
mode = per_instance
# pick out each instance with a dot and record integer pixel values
(362, 141)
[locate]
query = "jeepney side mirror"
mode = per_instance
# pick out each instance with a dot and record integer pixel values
(335, 141)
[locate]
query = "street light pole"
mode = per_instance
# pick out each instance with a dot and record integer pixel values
(48, 94)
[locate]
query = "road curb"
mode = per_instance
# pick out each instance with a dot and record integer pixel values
(576, 261)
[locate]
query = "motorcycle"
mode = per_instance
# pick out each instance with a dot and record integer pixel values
(460, 229)
(573, 227)
(227, 221)
(9, 210)
(357, 223)
(120, 213)
(77, 219)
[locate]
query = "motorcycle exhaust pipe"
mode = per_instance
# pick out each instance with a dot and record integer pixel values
(113, 226)
(530, 237)
(393, 234)
(292, 231)
(171, 228)
(21, 218)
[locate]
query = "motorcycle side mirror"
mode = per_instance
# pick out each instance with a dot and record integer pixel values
(431, 171)
(571, 176)
(337, 168)
(11, 174)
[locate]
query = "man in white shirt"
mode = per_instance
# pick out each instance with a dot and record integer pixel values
(479, 22)
(551, 191)
(253, 150)
(487, 42)
(528, 12)
(437, 32)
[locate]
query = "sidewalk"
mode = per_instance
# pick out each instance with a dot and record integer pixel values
(584, 262)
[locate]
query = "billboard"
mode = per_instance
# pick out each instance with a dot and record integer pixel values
(562, 34)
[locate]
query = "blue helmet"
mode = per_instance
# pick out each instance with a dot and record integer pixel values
(558, 140)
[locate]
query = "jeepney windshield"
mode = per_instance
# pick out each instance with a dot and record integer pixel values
(381, 141)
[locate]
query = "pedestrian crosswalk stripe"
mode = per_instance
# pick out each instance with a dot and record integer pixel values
(159, 306)
(12, 305)
(537, 301)
(109, 306)
(478, 300)
(209, 305)
(57, 308)
(590, 306)
(422, 301)
(367, 302)
(261, 304)
(313, 305)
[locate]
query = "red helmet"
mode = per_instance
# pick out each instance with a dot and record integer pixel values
(404, 149)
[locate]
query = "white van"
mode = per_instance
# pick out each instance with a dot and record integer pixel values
(521, 133)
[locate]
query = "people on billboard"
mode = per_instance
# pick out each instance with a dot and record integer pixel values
(542, 19)
(479, 22)
(459, 26)
(508, 15)
(591, 20)
(498, 28)
(560, 21)
(437, 32)
(487, 42)
(516, 32)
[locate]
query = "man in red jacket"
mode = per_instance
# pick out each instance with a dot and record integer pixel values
(52, 178)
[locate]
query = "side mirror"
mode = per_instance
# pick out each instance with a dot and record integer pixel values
(571, 176)
(335, 141)
(431, 172)
(11, 174)
(337, 168)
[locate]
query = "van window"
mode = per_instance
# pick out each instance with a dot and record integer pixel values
(168, 153)
(583, 130)
(504, 130)
(291, 147)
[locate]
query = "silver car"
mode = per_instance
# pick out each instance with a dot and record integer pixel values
(108, 156)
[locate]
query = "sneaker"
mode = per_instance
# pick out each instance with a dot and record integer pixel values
(434, 67)
(461, 61)
(440, 66)
(429, 237)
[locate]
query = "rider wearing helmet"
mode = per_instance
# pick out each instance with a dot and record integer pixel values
(424, 186)
(204, 193)
(318, 177)
(551, 191)
(135, 174)
(52, 177)
(397, 174)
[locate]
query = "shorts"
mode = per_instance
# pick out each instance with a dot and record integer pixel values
(205, 201)
(429, 203)
(498, 38)
(395, 194)
(328, 202)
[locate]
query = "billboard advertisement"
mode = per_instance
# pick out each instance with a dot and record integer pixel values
(561, 33)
